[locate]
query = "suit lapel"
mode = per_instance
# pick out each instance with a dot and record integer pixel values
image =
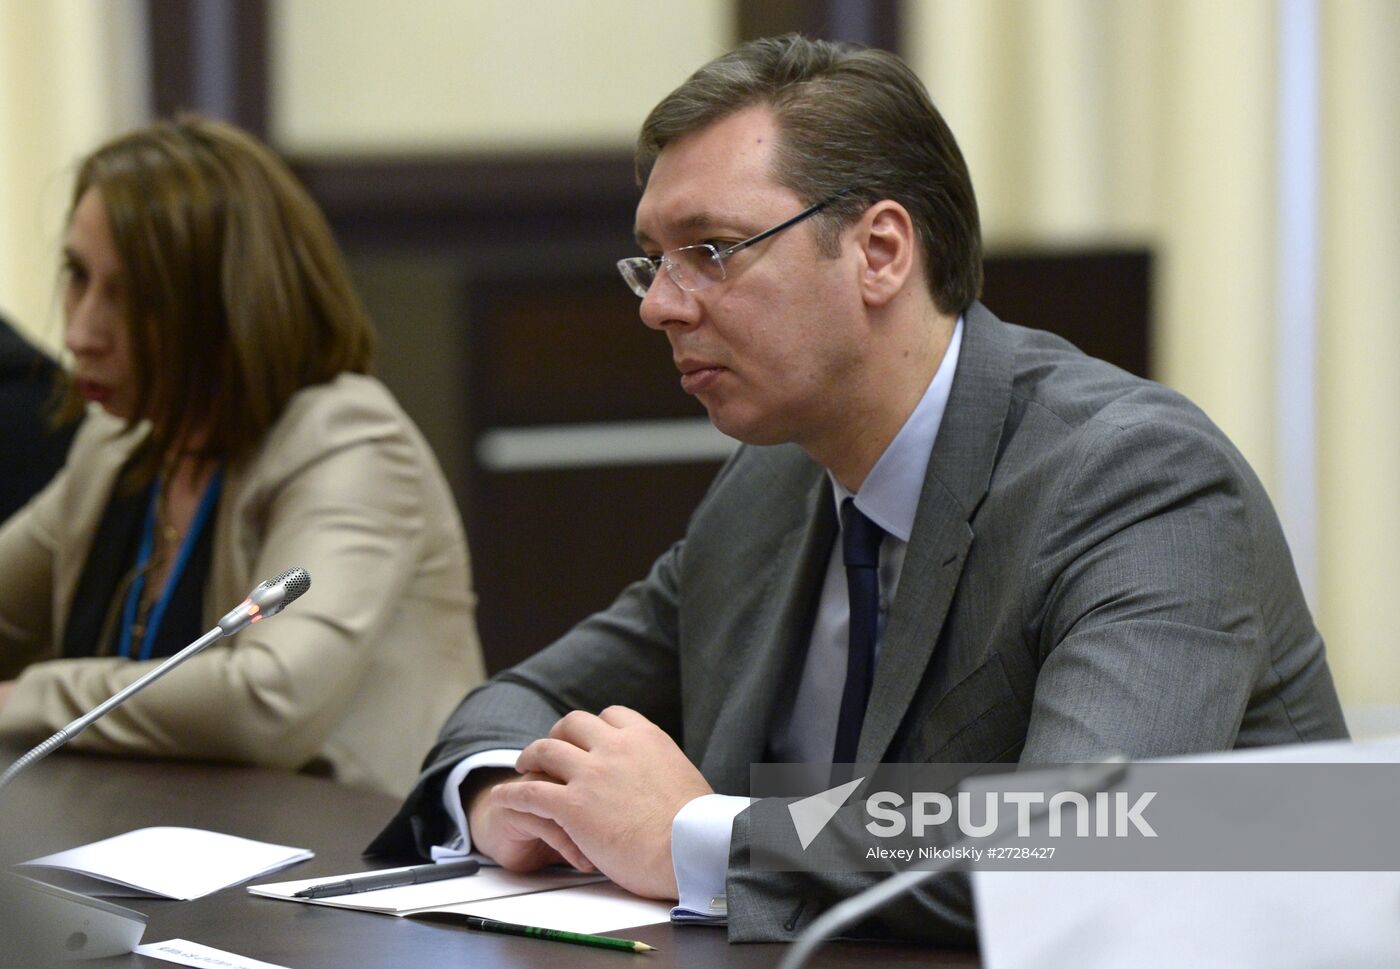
(959, 472)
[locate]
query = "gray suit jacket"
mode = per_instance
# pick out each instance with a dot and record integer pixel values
(1093, 569)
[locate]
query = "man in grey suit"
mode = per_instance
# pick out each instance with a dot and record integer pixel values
(1063, 561)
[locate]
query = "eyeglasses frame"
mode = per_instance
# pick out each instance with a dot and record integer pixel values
(664, 261)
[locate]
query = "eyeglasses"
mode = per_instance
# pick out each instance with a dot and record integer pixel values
(694, 267)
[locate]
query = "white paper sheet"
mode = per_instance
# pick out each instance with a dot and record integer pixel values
(182, 863)
(184, 953)
(552, 899)
(489, 882)
(589, 908)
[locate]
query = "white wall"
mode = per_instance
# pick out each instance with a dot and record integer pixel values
(72, 74)
(365, 76)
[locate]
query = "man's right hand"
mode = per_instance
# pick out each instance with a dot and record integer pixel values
(515, 840)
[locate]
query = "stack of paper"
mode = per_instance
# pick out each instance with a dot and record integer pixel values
(183, 863)
(553, 899)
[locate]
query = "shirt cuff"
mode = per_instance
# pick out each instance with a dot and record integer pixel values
(452, 797)
(700, 837)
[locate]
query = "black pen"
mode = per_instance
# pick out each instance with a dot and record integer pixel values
(389, 879)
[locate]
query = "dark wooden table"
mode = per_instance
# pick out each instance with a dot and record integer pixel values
(70, 800)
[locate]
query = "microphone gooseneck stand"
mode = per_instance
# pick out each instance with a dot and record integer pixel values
(268, 599)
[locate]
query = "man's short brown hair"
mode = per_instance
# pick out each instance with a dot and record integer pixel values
(849, 117)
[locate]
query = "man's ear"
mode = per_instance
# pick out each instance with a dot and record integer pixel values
(886, 238)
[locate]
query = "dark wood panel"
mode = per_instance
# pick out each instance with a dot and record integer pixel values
(480, 203)
(557, 349)
(210, 57)
(874, 23)
(554, 546)
(1098, 299)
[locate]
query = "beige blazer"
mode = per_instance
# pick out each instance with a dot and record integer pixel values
(352, 680)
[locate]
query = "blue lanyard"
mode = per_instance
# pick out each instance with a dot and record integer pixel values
(143, 558)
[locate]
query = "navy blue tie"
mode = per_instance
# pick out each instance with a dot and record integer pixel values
(860, 549)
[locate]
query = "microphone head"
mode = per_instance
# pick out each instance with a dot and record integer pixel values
(274, 595)
(268, 599)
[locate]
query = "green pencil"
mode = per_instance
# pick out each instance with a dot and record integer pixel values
(555, 935)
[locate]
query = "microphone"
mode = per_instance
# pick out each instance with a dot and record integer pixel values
(267, 600)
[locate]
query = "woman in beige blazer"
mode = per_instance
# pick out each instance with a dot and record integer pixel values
(231, 433)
